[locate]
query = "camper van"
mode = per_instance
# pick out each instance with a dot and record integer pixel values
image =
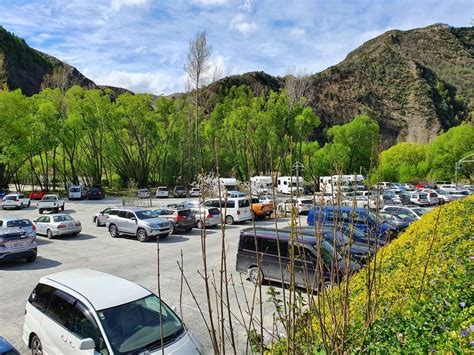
(290, 184)
(261, 184)
(228, 184)
(341, 183)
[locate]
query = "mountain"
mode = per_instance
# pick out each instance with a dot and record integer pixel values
(28, 69)
(416, 83)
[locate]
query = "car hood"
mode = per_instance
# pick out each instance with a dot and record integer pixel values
(186, 344)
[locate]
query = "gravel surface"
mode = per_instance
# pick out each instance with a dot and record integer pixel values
(135, 261)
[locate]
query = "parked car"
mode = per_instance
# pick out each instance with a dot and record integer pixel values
(419, 199)
(408, 186)
(195, 192)
(403, 212)
(302, 205)
(137, 222)
(399, 222)
(405, 197)
(16, 244)
(36, 195)
(181, 219)
(162, 192)
(84, 311)
(444, 196)
(391, 198)
(77, 192)
(205, 216)
(96, 192)
(360, 218)
(425, 185)
(261, 209)
(100, 218)
(457, 194)
(432, 196)
(50, 203)
(22, 223)
(143, 193)
(235, 194)
(263, 254)
(358, 251)
(179, 191)
(16, 200)
(233, 209)
(57, 225)
(6, 348)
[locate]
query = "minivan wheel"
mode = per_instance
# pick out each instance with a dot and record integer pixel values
(31, 258)
(229, 220)
(49, 234)
(113, 231)
(36, 347)
(255, 277)
(97, 222)
(142, 236)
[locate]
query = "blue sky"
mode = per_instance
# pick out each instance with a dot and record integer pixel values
(142, 44)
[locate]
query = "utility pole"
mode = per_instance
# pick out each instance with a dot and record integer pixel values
(297, 166)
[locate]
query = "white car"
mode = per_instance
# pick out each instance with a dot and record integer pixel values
(433, 197)
(84, 311)
(15, 201)
(195, 192)
(162, 192)
(303, 205)
(416, 212)
(56, 225)
(232, 209)
(143, 193)
(100, 218)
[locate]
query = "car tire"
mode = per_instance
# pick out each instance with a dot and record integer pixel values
(229, 220)
(31, 258)
(36, 347)
(113, 230)
(254, 277)
(21, 206)
(49, 234)
(188, 230)
(29, 204)
(62, 208)
(40, 211)
(97, 222)
(56, 210)
(142, 235)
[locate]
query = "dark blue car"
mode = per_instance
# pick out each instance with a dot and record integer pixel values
(360, 218)
(6, 348)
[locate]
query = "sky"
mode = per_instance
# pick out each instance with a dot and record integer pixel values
(142, 45)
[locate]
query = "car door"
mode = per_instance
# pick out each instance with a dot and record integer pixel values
(128, 225)
(305, 263)
(53, 332)
(103, 215)
(83, 326)
(42, 224)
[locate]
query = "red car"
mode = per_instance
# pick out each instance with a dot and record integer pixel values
(425, 185)
(36, 195)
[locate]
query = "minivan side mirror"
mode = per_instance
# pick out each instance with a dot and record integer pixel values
(87, 344)
(133, 219)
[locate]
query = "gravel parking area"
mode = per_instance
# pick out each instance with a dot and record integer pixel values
(128, 258)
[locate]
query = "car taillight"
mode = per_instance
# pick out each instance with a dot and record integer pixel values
(33, 227)
(61, 226)
(209, 216)
(78, 224)
(238, 212)
(180, 218)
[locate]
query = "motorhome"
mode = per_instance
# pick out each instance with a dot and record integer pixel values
(341, 183)
(261, 184)
(290, 184)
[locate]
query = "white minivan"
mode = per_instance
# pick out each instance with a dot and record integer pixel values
(77, 192)
(84, 311)
(232, 209)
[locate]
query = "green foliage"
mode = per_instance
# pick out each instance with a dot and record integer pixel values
(403, 162)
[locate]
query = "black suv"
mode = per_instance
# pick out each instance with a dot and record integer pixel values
(96, 192)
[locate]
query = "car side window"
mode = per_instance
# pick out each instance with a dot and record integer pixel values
(230, 204)
(46, 219)
(84, 326)
(1, 223)
(40, 296)
(106, 211)
(130, 215)
(60, 307)
(113, 212)
(122, 214)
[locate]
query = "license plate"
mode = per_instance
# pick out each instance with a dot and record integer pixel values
(18, 244)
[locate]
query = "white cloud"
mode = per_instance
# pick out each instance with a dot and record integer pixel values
(116, 5)
(297, 31)
(240, 22)
(210, 2)
(156, 82)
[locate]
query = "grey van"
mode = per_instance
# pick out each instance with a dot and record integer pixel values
(264, 254)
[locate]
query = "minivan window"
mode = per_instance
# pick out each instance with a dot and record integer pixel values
(244, 203)
(40, 296)
(230, 204)
(60, 307)
(84, 326)
(19, 223)
(135, 327)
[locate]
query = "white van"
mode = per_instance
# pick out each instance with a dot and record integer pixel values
(233, 209)
(85, 311)
(289, 184)
(77, 192)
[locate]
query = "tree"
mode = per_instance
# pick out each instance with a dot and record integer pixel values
(197, 68)
(404, 162)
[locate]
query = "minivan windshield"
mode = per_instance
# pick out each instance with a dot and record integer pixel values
(136, 327)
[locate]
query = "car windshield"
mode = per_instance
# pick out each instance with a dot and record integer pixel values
(162, 189)
(62, 218)
(49, 198)
(419, 211)
(19, 223)
(141, 325)
(11, 198)
(75, 189)
(145, 214)
(179, 188)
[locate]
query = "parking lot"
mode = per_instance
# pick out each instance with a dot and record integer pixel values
(130, 259)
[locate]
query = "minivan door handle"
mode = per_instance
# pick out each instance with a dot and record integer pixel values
(64, 338)
(71, 344)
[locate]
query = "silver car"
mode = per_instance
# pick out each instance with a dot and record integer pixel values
(205, 216)
(100, 218)
(56, 225)
(15, 244)
(138, 222)
(19, 222)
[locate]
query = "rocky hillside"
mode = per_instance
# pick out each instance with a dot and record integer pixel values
(29, 70)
